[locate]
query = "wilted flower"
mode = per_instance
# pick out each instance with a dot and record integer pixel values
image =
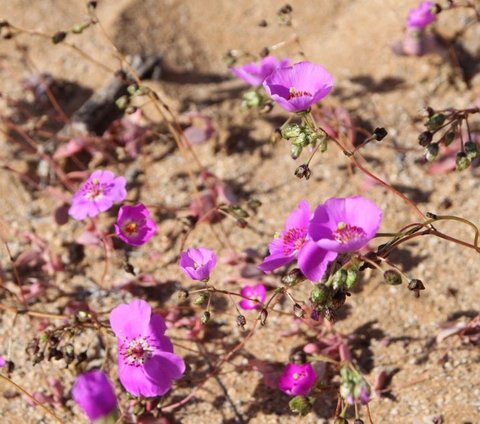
(98, 194)
(297, 380)
(134, 225)
(94, 394)
(146, 362)
(345, 224)
(198, 263)
(255, 73)
(294, 243)
(421, 16)
(297, 87)
(258, 292)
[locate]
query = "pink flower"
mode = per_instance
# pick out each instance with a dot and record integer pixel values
(294, 243)
(198, 263)
(94, 394)
(147, 365)
(421, 16)
(345, 224)
(98, 194)
(258, 292)
(298, 87)
(134, 225)
(297, 380)
(254, 74)
(2, 362)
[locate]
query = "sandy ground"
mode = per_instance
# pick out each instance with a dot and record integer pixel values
(352, 39)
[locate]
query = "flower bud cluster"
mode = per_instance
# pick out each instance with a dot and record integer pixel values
(301, 136)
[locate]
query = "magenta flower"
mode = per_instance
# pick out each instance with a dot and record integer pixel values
(294, 243)
(257, 292)
(255, 73)
(146, 362)
(297, 380)
(94, 394)
(345, 225)
(134, 225)
(298, 87)
(421, 16)
(2, 362)
(98, 194)
(198, 263)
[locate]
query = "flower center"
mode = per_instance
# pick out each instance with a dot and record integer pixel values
(130, 228)
(346, 233)
(293, 93)
(293, 240)
(137, 351)
(298, 375)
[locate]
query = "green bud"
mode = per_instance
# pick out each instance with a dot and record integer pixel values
(300, 405)
(295, 151)
(432, 151)
(321, 294)
(300, 140)
(131, 89)
(462, 161)
(352, 278)
(122, 102)
(392, 277)
(291, 131)
(323, 145)
(425, 138)
(339, 279)
(201, 299)
(448, 138)
(435, 121)
(295, 276)
(79, 28)
(340, 420)
(471, 150)
(251, 99)
(237, 211)
(205, 317)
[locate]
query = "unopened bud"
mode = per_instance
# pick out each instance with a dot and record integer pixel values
(416, 285)
(205, 317)
(241, 320)
(295, 151)
(448, 138)
(338, 299)
(462, 162)
(352, 278)
(300, 405)
(321, 294)
(298, 311)
(379, 133)
(237, 211)
(291, 131)
(340, 420)
(392, 277)
(122, 102)
(59, 37)
(339, 279)
(295, 276)
(432, 151)
(83, 316)
(471, 150)
(303, 171)
(435, 121)
(425, 138)
(201, 299)
(79, 28)
(323, 145)
(263, 316)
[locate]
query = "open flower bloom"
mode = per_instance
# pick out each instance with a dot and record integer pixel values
(421, 16)
(98, 194)
(257, 292)
(295, 243)
(297, 87)
(297, 380)
(255, 73)
(345, 224)
(198, 263)
(134, 225)
(146, 362)
(94, 394)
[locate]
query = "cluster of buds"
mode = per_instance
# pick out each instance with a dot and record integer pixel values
(133, 90)
(330, 295)
(301, 136)
(450, 121)
(353, 387)
(254, 99)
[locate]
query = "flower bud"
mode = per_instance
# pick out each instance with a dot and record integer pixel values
(59, 37)
(415, 286)
(339, 278)
(205, 317)
(300, 405)
(425, 138)
(379, 133)
(122, 102)
(321, 294)
(323, 145)
(263, 316)
(352, 278)
(340, 420)
(241, 320)
(471, 150)
(448, 138)
(291, 131)
(201, 299)
(295, 276)
(252, 99)
(392, 277)
(435, 121)
(432, 151)
(303, 171)
(79, 28)
(462, 161)
(338, 299)
(298, 311)
(295, 151)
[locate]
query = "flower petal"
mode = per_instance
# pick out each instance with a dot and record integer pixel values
(272, 262)
(131, 320)
(313, 260)
(299, 217)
